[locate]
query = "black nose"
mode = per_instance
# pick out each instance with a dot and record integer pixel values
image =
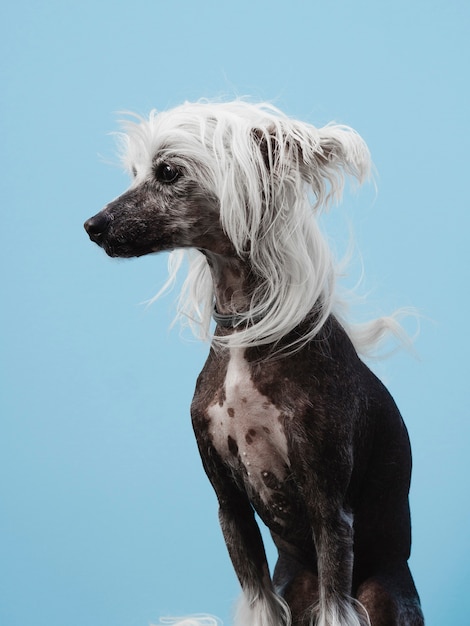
(97, 226)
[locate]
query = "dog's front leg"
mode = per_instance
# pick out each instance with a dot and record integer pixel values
(323, 480)
(259, 605)
(333, 531)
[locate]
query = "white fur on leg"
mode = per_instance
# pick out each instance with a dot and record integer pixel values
(262, 610)
(343, 614)
(192, 620)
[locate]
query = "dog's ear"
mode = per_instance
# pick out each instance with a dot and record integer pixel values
(329, 156)
(323, 157)
(342, 147)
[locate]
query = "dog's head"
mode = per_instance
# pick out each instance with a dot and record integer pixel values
(218, 176)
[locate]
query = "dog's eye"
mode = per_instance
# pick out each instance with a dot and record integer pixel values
(166, 173)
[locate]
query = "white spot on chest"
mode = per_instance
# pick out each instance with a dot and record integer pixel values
(247, 430)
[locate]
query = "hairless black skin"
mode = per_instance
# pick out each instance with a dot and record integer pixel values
(330, 455)
(348, 450)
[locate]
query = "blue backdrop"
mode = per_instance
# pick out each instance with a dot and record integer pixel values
(106, 517)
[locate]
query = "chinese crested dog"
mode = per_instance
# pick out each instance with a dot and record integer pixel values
(289, 421)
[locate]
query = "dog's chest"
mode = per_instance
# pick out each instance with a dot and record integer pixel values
(247, 430)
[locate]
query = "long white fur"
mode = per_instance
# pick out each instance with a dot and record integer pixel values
(270, 610)
(267, 212)
(342, 615)
(194, 620)
(251, 610)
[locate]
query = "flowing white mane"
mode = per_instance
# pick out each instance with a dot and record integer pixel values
(272, 176)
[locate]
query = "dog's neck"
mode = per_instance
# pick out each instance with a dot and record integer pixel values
(233, 286)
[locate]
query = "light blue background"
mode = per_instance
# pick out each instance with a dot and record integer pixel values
(106, 517)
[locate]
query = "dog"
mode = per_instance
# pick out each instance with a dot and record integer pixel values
(290, 422)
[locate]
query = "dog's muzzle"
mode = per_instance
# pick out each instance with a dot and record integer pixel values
(97, 226)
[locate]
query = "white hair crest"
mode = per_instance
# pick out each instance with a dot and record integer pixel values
(270, 174)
